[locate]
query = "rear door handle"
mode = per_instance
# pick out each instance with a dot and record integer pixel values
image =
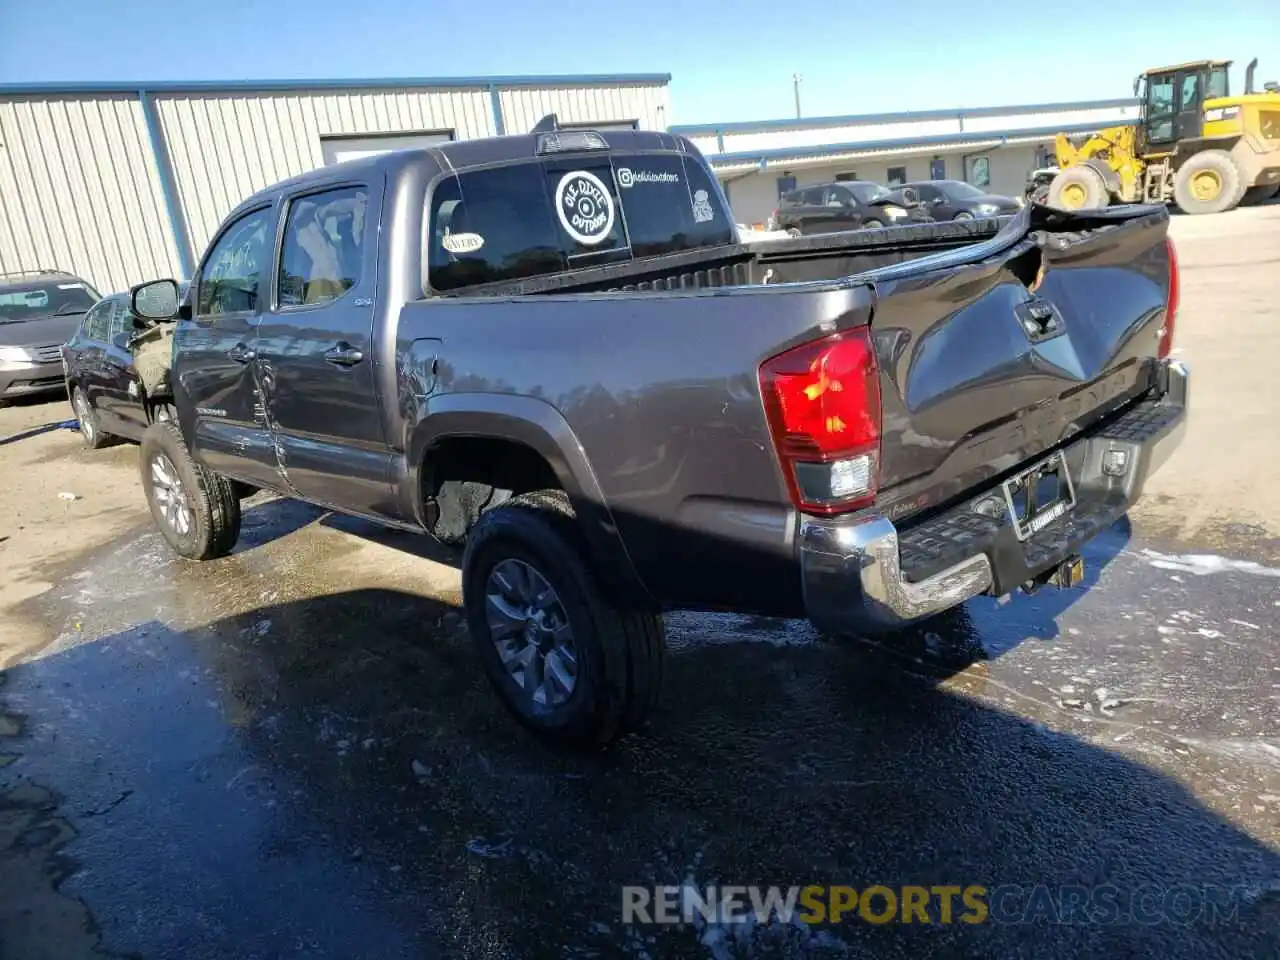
(241, 353)
(343, 355)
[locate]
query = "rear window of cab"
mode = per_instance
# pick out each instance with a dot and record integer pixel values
(550, 215)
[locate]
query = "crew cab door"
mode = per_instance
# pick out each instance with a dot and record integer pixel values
(316, 348)
(215, 374)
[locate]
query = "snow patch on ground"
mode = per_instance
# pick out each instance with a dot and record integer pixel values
(1203, 564)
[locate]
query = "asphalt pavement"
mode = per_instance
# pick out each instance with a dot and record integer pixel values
(293, 753)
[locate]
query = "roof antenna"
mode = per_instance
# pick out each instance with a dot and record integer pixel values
(548, 124)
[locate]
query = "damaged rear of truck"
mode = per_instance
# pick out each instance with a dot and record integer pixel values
(621, 418)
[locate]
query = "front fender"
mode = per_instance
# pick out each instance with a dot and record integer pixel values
(539, 426)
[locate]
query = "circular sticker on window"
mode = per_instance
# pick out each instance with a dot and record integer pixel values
(584, 207)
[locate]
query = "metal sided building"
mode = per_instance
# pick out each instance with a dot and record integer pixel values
(994, 148)
(121, 183)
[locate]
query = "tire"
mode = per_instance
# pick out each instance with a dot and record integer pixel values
(963, 215)
(871, 225)
(1260, 194)
(1079, 188)
(212, 510)
(793, 232)
(617, 652)
(1209, 182)
(95, 438)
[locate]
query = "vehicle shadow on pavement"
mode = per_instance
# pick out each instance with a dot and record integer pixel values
(335, 773)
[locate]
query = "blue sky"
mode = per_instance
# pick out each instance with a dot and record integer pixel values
(730, 60)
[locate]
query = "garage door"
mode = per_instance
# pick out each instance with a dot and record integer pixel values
(337, 149)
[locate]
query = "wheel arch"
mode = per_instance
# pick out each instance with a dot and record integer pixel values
(539, 428)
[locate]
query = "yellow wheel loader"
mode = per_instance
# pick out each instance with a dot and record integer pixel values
(1194, 144)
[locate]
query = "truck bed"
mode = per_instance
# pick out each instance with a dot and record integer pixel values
(819, 257)
(654, 368)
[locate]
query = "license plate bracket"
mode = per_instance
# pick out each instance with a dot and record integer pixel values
(1040, 495)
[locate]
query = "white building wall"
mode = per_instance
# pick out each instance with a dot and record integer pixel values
(646, 104)
(223, 147)
(80, 191)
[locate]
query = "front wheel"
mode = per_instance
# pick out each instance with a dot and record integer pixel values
(567, 661)
(963, 215)
(197, 511)
(871, 224)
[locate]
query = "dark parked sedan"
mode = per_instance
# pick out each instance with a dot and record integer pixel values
(39, 310)
(957, 200)
(116, 375)
(843, 205)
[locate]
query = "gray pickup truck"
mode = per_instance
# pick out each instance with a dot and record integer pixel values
(553, 349)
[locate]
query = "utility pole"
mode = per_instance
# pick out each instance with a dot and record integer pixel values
(795, 82)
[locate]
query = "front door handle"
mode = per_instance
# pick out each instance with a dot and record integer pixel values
(343, 355)
(241, 353)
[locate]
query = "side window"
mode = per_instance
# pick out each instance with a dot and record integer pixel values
(96, 320)
(815, 196)
(926, 193)
(229, 281)
(832, 197)
(120, 320)
(322, 255)
(1160, 96)
(1190, 94)
(1217, 83)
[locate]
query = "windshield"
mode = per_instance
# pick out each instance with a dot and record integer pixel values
(869, 192)
(36, 301)
(960, 191)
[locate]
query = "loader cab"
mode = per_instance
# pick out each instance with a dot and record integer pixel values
(1173, 101)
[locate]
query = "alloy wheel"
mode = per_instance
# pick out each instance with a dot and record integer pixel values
(171, 495)
(531, 633)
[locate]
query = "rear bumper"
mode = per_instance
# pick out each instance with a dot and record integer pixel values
(34, 378)
(863, 575)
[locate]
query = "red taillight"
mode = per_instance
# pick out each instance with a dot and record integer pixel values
(822, 400)
(1171, 308)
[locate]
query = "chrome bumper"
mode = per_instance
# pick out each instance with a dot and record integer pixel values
(852, 569)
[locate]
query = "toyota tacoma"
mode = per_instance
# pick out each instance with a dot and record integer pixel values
(552, 350)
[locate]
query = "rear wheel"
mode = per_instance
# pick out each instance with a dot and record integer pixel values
(1260, 194)
(793, 232)
(90, 427)
(1079, 188)
(963, 215)
(197, 511)
(565, 659)
(1208, 182)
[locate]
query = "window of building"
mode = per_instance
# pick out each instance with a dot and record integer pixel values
(980, 171)
(786, 184)
(897, 176)
(1043, 157)
(322, 254)
(229, 281)
(938, 168)
(846, 176)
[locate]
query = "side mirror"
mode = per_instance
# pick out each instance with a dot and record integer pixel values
(157, 300)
